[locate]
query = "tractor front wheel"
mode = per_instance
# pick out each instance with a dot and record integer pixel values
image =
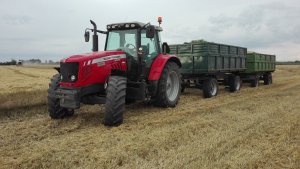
(115, 101)
(169, 86)
(54, 109)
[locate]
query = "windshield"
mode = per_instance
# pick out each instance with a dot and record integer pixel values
(124, 40)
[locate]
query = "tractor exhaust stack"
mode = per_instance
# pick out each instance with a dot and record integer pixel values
(95, 37)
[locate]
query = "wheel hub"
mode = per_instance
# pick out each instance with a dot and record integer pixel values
(172, 86)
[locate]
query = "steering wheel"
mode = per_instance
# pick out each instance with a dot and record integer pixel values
(131, 48)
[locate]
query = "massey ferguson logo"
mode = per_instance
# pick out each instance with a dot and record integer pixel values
(104, 59)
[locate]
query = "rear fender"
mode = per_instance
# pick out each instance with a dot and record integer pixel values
(159, 63)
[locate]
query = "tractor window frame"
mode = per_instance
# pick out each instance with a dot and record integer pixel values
(122, 41)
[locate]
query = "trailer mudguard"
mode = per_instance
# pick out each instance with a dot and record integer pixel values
(159, 63)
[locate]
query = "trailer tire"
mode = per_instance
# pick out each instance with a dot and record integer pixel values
(268, 79)
(169, 86)
(234, 83)
(115, 101)
(255, 82)
(54, 109)
(210, 88)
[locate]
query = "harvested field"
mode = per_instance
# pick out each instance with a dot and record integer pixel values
(254, 128)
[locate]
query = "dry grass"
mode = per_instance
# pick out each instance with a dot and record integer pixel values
(255, 128)
(18, 79)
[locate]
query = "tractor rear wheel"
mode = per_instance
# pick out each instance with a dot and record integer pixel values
(169, 86)
(234, 83)
(54, 109)
(115, 101)
(255, 82)
(210, 88)
(268, 79)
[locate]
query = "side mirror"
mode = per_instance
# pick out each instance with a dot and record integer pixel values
(150, 31)
(165, 48)
(87, 36)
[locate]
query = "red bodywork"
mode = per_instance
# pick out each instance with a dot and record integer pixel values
(95, 73)
(159, 64)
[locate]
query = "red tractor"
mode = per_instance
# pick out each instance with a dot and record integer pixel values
(133, 66)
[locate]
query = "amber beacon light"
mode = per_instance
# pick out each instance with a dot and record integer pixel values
(159, 20)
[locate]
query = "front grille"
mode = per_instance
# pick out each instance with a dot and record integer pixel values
(67, 70)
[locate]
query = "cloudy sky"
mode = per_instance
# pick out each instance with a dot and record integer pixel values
(53, 29)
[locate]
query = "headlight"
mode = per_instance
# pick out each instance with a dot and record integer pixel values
(73, 78)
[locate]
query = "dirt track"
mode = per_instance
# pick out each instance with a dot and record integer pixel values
(255, 128)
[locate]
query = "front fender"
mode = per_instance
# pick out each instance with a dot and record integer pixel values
(159, 64)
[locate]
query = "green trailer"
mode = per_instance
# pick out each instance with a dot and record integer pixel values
(259, 67)
(206, 65)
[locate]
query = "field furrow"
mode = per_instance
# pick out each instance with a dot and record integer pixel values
(254, 128)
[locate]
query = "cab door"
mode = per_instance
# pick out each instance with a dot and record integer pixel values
(150, 47)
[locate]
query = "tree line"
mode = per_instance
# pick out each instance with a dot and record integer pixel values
(29, 61)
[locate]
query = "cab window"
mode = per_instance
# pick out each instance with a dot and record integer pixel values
(149, 45)
(124, 40)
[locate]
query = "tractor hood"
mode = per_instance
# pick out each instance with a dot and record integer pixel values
(90, 56)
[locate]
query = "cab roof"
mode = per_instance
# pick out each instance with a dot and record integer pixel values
(128, 25)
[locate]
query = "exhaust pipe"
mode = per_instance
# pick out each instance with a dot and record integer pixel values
(95, 37)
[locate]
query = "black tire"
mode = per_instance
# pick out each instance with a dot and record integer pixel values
(129, 101)
(255, 82)
(115, 101)
(234, 83)
(268, 79)
(168, 92)
(54, 109)
(210, 88)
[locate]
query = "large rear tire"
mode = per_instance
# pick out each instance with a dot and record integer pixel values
(210, 88)
(268, 79)
(234, 83)
(115, 101)
(169, 86)
(54, 109)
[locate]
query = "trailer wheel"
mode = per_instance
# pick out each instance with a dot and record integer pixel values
(268, 79)
(255, 82)
(169, 86)
(210, 88)
(54, 109)
(234, 83)
(115, 101)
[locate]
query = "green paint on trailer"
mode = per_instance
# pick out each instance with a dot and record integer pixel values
(201, 57)
(257, 62)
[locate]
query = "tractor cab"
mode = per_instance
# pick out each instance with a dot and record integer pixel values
(133, 66)
(141, 43)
